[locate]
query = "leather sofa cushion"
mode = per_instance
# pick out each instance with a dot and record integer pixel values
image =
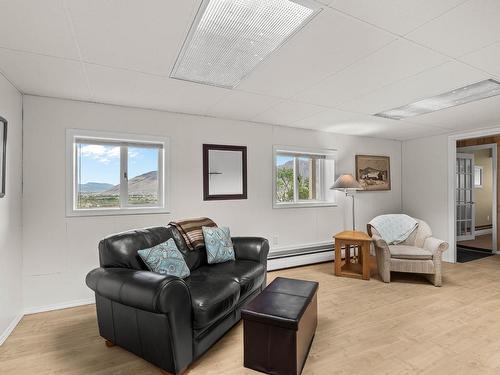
(409, 252)
(211, 297)
(248, 274)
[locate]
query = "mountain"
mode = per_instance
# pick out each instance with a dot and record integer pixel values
(144, 184)
(303, 166)
(94, 187)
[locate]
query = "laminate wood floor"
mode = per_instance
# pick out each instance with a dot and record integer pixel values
(365, 327)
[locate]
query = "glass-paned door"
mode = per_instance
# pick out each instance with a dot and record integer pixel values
(465, 208)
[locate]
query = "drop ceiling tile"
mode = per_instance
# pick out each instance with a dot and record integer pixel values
(396, 16)
(411, 132)
(288, 111)
(241, 105)
(399, 60)
(466, 28)
(476, 115)
(136, 35)
(322, 120)
(335, 121)
(37, 26)
(431, 82)
(329, 43)
(43, 75)
(324, 2)
(124, 87)
(487, 59)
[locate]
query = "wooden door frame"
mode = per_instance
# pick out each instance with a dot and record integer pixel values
(451, 256)
(493, 147)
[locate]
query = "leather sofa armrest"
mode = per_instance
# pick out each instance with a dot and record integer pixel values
(251, 248)
(141, 289)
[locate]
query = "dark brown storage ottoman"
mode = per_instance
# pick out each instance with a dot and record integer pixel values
(279, 326)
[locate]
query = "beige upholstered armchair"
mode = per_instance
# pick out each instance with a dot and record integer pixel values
(419, 253)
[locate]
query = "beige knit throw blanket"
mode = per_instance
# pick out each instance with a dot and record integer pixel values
(191, 230)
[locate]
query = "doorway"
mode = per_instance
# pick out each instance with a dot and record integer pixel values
(476, 196)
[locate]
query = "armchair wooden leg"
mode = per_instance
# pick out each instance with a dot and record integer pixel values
(109, 344)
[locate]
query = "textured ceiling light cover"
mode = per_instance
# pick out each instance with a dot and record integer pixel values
(476, 91)
(229, 38)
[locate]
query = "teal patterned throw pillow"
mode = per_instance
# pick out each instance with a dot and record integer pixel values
(218, 244)
(166, 259)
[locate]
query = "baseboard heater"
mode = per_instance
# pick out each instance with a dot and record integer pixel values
(300, 256)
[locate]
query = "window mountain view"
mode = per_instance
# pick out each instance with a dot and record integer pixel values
(142, 190)
(99, 167)
(285, 181)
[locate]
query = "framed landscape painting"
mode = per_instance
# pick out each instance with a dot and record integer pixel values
(373, 172)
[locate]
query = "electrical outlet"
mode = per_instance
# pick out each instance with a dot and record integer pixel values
(488, 218)
(276, 240)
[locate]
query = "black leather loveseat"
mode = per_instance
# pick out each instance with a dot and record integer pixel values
(166, 320)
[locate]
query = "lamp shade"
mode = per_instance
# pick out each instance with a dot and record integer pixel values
(346, 182)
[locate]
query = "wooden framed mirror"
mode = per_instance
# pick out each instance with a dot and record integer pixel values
(224, 172)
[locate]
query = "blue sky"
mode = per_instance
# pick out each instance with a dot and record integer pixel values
(102, 163)
(280, 160)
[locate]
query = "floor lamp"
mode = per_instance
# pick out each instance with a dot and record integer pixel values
(347, 183)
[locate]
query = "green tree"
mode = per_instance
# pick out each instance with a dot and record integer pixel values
(284, 184)
(303, 187)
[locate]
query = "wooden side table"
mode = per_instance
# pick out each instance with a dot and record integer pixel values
(347, 239)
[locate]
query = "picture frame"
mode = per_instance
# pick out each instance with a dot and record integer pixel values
(373, 172)
(3, 155)
(224, 172)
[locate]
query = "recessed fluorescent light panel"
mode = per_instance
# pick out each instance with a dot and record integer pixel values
(471, 93)
(229, 38)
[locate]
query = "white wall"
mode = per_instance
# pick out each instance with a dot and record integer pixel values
(59, 251)
(10, 213)
(425, 183)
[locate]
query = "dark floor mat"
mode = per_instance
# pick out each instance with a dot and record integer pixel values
(467, 255)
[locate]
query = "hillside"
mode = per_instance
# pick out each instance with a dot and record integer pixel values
(94, 187)
(303, 166)
(144, 184)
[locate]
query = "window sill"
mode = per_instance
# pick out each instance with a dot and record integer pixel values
(304, 204)
(117, 212)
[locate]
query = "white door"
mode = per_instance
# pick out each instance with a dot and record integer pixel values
(465, 212)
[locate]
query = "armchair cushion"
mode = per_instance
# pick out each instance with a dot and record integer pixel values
(409, 252)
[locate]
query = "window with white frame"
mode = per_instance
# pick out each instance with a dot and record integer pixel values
(478, 176)
(302, 177)
(116, 174)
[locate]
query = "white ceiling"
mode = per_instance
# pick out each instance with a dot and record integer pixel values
(356, 58)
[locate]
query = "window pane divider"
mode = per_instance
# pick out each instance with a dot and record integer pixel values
(295, 179)
(123, 176)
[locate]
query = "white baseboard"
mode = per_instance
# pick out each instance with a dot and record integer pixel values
(480, 232)
(5, 334)
(59, 306)
(298, 260)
